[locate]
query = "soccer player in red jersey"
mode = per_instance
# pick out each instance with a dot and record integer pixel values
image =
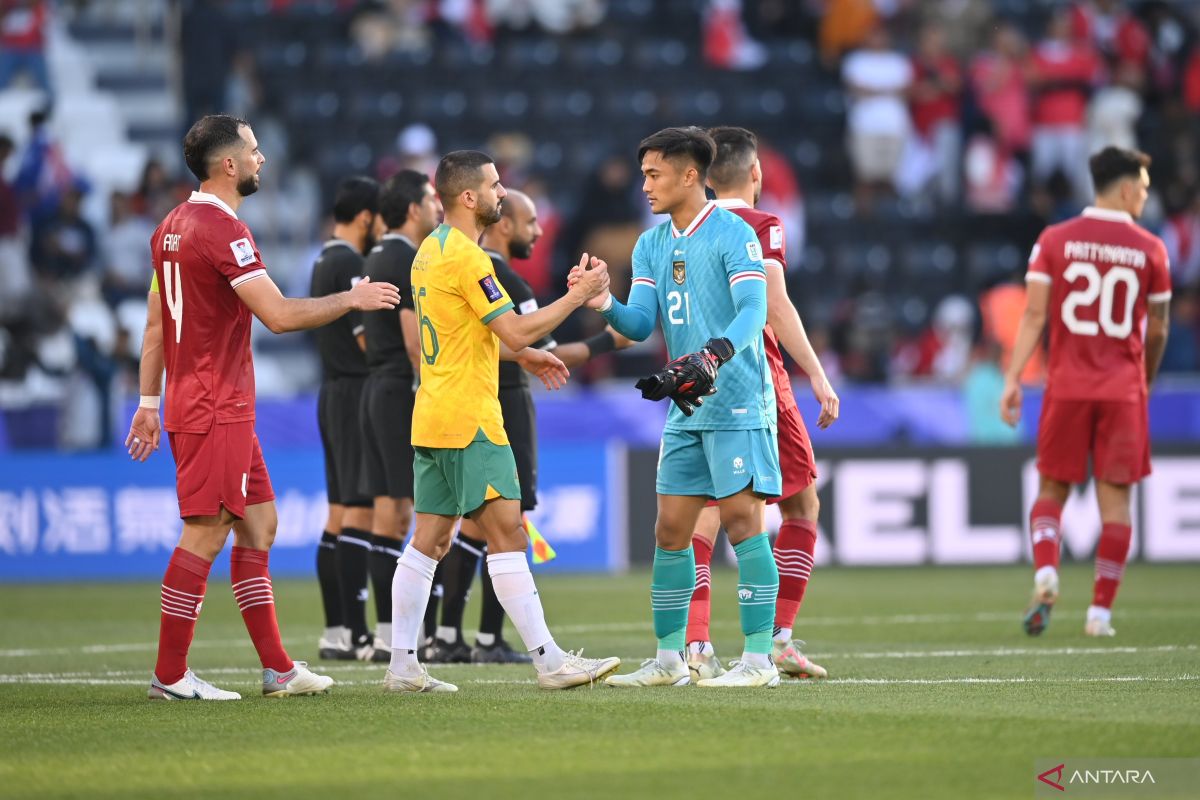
(1104, 285)
(736, 178)
(212, 280)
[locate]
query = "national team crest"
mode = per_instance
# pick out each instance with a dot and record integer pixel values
(679, 272)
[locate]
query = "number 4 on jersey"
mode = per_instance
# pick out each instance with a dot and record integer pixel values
(173, 287)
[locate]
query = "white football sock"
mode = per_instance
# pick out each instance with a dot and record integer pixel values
(485, 639)
(1099, 613)
(784, 635)
(447, 634)
(758, 660)
(701, 648)
(671, 659)
(383, 632)
(1046, 576)
(517, 593)
(410, 595)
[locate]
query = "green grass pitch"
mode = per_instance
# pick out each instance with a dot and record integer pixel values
(934, 692)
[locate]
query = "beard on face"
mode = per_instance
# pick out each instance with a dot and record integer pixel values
(486, 215)
(247, 185)
(521, 249)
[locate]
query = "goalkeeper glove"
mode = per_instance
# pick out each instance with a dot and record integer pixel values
(689, 379)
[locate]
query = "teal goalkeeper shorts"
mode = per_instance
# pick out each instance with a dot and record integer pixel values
(719, 463)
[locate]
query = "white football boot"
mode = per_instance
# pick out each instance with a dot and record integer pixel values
(420, 683)
(742, 675)
(189, 687)
(577, 670)
(652, 673)
(1099, 622)
(299, 680)
(702, 661)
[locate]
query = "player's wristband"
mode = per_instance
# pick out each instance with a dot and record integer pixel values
(608, 303)
(603, 342)
(150, 401)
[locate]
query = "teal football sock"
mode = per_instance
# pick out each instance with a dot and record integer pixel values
(671, 584)
(758, 586)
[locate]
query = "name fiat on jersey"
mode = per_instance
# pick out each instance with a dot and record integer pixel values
(1105, 254)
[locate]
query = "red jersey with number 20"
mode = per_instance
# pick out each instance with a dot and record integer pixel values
(1102, 270)
(202, 252)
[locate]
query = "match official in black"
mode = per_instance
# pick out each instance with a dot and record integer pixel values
(346, 543)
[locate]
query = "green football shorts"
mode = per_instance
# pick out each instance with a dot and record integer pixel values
(454, 482)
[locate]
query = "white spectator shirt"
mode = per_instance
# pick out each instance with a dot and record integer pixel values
(872, 71)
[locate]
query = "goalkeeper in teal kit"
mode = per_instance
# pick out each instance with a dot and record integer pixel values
(700, 274)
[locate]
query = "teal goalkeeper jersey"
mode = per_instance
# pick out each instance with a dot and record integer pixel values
(703, 282)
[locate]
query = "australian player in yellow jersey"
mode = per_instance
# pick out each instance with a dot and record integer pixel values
(463, 465)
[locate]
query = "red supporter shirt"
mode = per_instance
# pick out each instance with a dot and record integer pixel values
(202, 252)
(22, 27)
(770, 237)
(928, 112)
(1066, 71)
(1102, 270)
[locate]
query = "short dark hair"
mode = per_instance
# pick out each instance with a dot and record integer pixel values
(354, 196)
(1114, 163)
(736, 150)
(399, 193)
(690, 143)
(459, 171)
(207, 137)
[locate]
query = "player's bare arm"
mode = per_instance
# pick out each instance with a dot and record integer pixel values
(1158, 322)
(518, 331)
(1029, 336)
(283, 314)
(575, 353)
(785, 320)
(412, 338)
(145, 431)
(543, 364)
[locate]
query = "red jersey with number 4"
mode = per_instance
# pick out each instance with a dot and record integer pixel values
(769, 230)
(1102, 270)
(202, 252)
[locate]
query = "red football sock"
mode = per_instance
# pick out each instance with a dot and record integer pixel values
(256, 600)
(182, 595)
(794, 548)
(1110, 562)
(698, 611)
(1044, 532)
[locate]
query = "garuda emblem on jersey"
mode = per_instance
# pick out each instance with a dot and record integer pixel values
(678, 272)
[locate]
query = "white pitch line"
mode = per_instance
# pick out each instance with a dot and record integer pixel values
(1011, 651)
(1006, 617)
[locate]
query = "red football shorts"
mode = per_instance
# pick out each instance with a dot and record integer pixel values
(796, 460)
(223, 467)
(1115, 433)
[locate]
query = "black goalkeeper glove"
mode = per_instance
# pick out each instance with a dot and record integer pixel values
(689, 379)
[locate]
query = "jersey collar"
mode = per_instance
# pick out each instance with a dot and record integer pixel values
(400, 237)
(336, 242)
(731, 202)
(494, 253)
(695, 224)
(212, 200)
(1107, 214)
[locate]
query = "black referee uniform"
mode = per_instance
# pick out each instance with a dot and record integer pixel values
(516, 401)
(344, 369)
(387, 404)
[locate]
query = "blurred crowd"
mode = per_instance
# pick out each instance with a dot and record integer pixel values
(948, 111)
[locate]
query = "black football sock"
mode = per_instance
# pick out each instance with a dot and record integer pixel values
(491, 617)
(327, 579)
(435, 594)
(457, 575)
(382, 566)
(353, 548)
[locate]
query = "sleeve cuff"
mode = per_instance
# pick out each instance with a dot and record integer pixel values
(1037, 277)
(492, 315)
(249, 276)
(358, 330)
(607, 306)
(1159, 297)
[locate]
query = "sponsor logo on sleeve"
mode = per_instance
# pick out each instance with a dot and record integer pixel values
(243, 252)
(776, 237)
(754, 251)
(490, 290)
